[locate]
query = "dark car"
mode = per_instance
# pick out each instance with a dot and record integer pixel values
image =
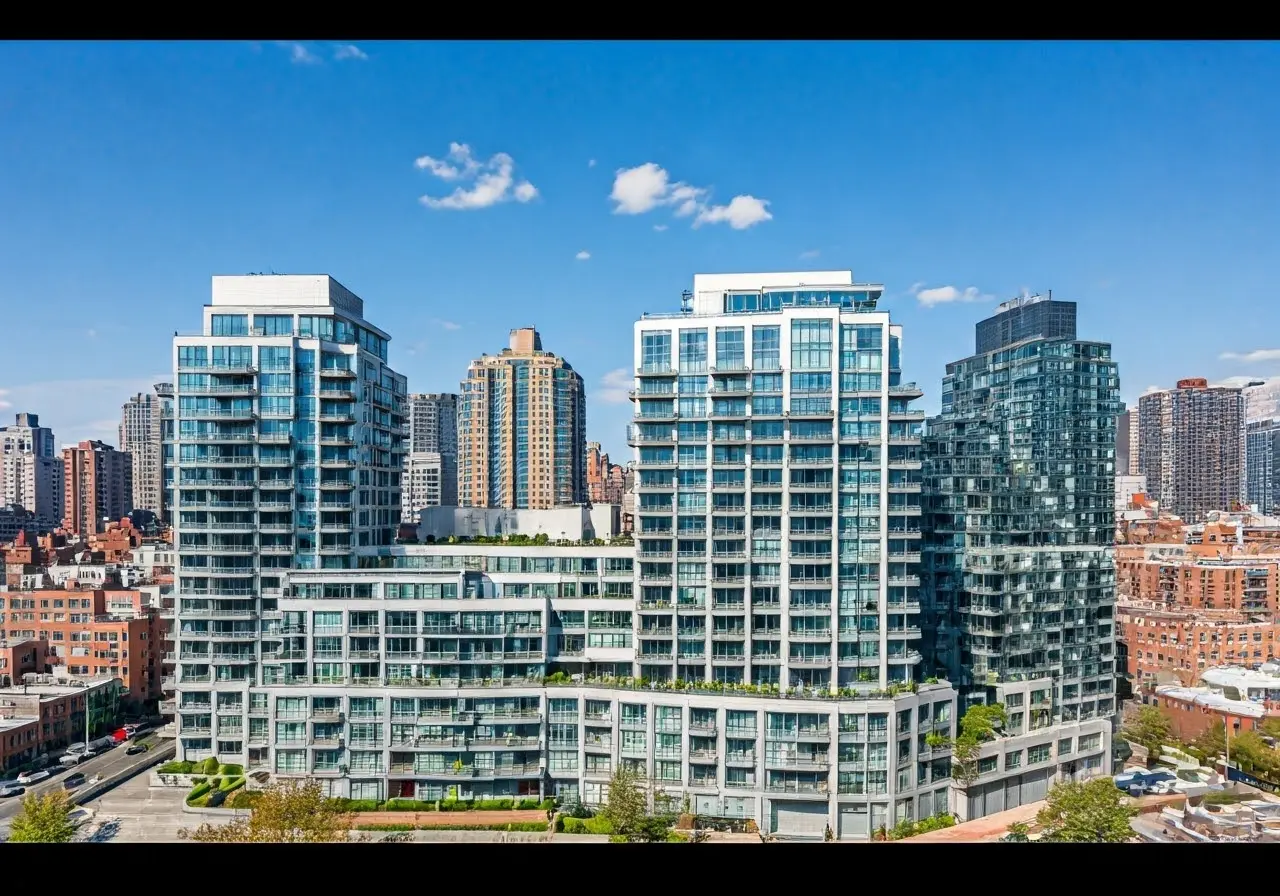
(135, 749)
(71, 782)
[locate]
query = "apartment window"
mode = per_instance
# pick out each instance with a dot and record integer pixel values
(693, 351)
(1013, 760)
(655, 350)
(987, 765)
(766, 348)
(229, 325)
(731, 348)
(273, 324)
(1090, 742)
(811, 344)
(1038, 754)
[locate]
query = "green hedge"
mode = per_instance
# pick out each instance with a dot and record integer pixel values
(595, 825)
(230, 784)
(401, 804)
(199, 794)
(533, 827)
(209, 766)
(231, 769)
(177, 768)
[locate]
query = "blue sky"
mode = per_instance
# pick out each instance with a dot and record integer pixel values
(1137, 179)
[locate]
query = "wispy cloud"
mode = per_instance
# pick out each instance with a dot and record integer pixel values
(481, 183)
(810, 253)
(615, 386)
(1242, 381)
(344, 52)
(583, 255)
(659, 227)
(91, 333)
(1257, 356)
(446, 324)
(591, 163)
(415, 348)
(299, 53)
(943, 295)
(648, 187)
(74, 409)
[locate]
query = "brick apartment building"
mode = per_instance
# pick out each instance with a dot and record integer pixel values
(1166, 644)
(1182, 579)
(606, 481)
(98, 485)
(1191, 712)
(93, 633)
(47, 718)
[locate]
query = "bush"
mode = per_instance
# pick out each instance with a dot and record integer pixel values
(546, 805)
(231, 769)
(495, 805)
(403, 804)
(199, 779)
(358, 805)
(384, 827)
(199, 792)
(243, 799)
(177, 768)
(230, 784)
(209, 766)
(597, 825)
(523, 826)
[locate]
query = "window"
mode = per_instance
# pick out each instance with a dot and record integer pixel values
(766, 348)
(655, 350)
(1038, 754)
(1090, 742)
(693, 351)
(731, 348)
(273, 324)
(811, 344)
(229, 325)
(1013, 760)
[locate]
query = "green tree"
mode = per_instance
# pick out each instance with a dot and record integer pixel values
(1213, 740)
(627, 810)
(44, 818)
(1017, 833)
(1251, 753)
(1150, 728)
(288, 812)
(978, 726)
(1086, 812)
(1271, 727)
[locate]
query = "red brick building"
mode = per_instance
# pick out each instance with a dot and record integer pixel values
(1166, 643)
(47, 718)
(97, 482)
(1192, 711)
(93, 633)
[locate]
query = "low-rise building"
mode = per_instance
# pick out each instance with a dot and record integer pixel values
(1192, 711)
(92, 633)
(44, 717)
(1179, 577)
(1168, 645)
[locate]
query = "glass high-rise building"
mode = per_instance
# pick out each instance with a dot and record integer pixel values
(285, 453)
(777, 501)
(1262, 464)
(522, 429)
(1019, 488)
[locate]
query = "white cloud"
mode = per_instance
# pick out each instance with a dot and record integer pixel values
(343, 52)
(74, 409)
(1241, 381)
(446, 324)
(591, 163)
(490, 182)
(647, 187)
(1257, 356)
(810, 253)
(942, 295)
(659, 227)
(1150, 389)
(615, 386)
(583, 255)
(91, 333)
(741, 212)
(299, 54)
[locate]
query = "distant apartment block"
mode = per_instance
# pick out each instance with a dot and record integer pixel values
(1262, 400)
(141, 428)
(1262, 464)
(1128, 443)
(45, 717)
(1031, 317)
(31, 471)
(1170, 575)
(1192, 448)
(605, 480)
(431, 462)
(1172, 644)
(522, 422)
(97, 487)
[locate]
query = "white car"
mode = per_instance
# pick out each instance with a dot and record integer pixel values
(32, 777)
(9, 791)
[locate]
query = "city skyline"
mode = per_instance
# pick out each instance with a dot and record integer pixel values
(938, 227)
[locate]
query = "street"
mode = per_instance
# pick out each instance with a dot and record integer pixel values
(114, 762)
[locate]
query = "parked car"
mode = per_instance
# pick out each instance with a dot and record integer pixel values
(32, 777)
(11, 790)
(71, 759)
(135, 749)
(71, 782)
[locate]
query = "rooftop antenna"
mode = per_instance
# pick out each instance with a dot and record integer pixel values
(686, 302)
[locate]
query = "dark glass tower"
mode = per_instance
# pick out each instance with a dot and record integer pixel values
(1034, 317)
(1019, 478)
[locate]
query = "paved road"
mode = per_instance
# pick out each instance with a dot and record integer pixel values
(115, 761)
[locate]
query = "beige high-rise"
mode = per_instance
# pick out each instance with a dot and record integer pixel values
(522, 420)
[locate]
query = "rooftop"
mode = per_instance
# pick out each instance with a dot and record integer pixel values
(7, 724)
(52, 691)
(1213, 701)
(1241, 679)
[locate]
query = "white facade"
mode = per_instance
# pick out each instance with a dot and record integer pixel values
(423, 483)
(286, 454)
(1126, 488)
(140, 436)
(31, 471)
(431, 464)
(777, 494)
(580, 523)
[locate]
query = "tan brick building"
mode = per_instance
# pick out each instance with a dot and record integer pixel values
(1164, 644)
(98, 487)
(522, 422)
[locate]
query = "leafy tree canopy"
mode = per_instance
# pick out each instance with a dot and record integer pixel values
(288, 812)
(44, 818)
(1093, 811)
